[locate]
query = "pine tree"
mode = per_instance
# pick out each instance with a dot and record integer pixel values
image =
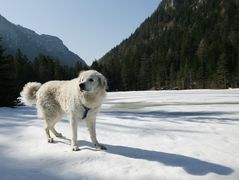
(7, 80)
(202, 57)
(78, 68)
(58, 71)
(96, 66)
(221, 72)
(24, 73)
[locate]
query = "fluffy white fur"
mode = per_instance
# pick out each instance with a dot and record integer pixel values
(56, 99)
(28, 96)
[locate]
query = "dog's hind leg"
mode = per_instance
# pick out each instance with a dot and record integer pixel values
(53, 130)
(48, 127)
(57, 134)
(47, 130)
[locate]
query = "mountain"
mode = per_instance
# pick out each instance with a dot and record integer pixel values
(32, 44)
(183, 44)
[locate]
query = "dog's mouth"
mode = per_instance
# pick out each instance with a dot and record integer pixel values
(82, 87)
(83, 90)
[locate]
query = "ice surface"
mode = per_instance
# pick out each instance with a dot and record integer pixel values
(169, 135)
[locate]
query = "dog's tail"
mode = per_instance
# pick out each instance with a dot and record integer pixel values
(28, 94)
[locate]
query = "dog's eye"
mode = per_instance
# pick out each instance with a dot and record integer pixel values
(91, 80)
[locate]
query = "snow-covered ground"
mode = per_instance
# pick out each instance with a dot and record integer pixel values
(172, 135)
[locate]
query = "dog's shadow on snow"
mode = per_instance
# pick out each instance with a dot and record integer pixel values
(191, 165)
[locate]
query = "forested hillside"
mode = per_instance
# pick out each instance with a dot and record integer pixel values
(184, 44)
(17, 70)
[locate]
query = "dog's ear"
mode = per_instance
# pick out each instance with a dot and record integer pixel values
(81, 72)
(103, 82)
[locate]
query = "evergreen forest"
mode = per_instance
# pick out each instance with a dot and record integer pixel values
(184, 44)
(16, 71)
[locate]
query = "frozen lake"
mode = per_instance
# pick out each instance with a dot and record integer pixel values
(191, 134)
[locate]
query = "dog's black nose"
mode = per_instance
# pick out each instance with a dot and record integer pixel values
(82, 86)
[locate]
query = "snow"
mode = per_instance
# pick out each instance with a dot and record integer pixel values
(166, 135)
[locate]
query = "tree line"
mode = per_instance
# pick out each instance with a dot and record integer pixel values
(17, 70)
(192, 45)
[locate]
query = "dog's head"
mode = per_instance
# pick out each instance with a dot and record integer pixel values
(92, 81)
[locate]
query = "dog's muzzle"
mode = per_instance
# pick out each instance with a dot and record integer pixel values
(82, 87)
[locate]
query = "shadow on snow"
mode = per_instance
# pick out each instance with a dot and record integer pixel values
(191, 165)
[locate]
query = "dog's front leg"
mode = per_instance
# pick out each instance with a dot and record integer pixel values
(74, 125)
(92, 131)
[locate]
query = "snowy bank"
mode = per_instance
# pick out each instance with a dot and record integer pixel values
(167, 135)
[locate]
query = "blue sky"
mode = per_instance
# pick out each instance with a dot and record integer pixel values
(89, 28)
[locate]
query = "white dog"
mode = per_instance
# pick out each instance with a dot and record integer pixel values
(78, 99)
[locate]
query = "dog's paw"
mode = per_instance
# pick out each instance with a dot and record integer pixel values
(100, 147)
(75, 148)
(59, 135)
(50, 140)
